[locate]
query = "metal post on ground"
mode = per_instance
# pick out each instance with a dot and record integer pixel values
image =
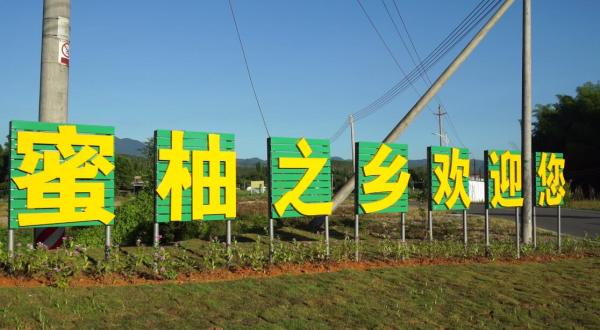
(559, 230)
(228, 234)
(486, 226)
(11, 244)
(534, 228)
(107, 242)
(430, 224)
(156, 238)
(518, 234)
(356, 237)
(403, 225)
(271, 239)
(327, 236)
(465, 238)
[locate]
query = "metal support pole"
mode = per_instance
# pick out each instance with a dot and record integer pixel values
(487, 228)
(356, 237)
(11, 244)
(465, 237)
(348, 187)
(403, 224)
(156, 239)
(430, 224)
(327, 236)
(352, 141)
(517, 236)
(534, 227)
(271, 239)
(559, 229)
(107, 242)
(228, 234)
(526, 168)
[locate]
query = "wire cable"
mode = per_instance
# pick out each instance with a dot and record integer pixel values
(472, 20)
(416, 52)
(387, 47)
(237, 30)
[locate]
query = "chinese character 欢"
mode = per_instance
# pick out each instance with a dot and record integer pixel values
(450, 175)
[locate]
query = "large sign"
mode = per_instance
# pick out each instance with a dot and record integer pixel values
(381, 177)
(549, 179)
(449, 178)
(503, 179)
(195, 176)
(299, 177)
(61, 175)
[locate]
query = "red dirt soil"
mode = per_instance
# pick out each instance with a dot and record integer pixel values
(233, 274)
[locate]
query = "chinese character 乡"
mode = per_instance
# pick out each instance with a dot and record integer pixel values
(313, 167)
(384, 183)
(453, 169)
(552, 179)
(67, 180)
(212, 178)
(507, 179)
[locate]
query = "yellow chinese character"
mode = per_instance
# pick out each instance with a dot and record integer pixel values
(552, 179)
(66, 179)
(215, 182)
(382, 183)
(313, 167)
(455, 170)
(506, 179)
(177, 178)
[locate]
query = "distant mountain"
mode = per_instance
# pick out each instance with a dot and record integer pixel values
(135, 148)
(129, 147)
(249, 162)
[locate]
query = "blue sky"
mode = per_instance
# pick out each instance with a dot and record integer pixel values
(144, 65)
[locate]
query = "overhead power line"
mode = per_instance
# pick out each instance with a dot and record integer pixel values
(237, 30)
(427, 80)
(387, 47)
(473, 19)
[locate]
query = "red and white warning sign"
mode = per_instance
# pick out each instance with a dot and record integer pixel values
(63, 33)
(63, 52)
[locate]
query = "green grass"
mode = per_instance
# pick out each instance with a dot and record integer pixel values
(585, 204)
(562, 293)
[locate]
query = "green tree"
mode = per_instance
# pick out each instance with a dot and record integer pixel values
(571, 126)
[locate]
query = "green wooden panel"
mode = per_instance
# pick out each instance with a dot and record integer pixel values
(284, 180)
(365, 152)
(539, 188)
(191, 141)
(434, 182)
(489, 182)
(20, 125)
(18, 197)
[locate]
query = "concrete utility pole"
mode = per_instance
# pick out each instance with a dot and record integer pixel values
(526, 127)
(54, 82)
(54, 75)
(348, 187)
(439, 114)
